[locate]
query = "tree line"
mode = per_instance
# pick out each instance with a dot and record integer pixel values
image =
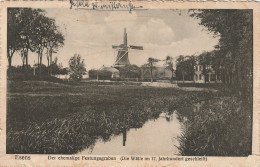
(30, 30)
(133, 72)
(232, 59)
(233, 56)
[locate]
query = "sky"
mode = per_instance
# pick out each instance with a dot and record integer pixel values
(92, 33)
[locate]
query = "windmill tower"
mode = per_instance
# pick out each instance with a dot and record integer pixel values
(122, 52)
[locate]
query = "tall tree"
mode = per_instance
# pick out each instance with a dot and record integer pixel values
(76, 67)
(170, 65)
(27, 20)
(235, 29)
(31, 30)
(150, 63)
(42, 26)
(13, 36)
(181, 67)
(54, 41)
(185, 67)
(47, 36)
(206, 60)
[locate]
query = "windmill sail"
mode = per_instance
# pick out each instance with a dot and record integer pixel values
(136, 47)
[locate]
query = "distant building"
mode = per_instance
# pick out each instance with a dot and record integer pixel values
(199, 77)
(114, 71)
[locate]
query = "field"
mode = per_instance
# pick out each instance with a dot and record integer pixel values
(60, 118)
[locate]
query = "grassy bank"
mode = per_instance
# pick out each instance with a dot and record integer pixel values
(220, 127)
(52, 118)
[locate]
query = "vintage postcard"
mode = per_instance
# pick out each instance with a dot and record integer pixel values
(121, 83)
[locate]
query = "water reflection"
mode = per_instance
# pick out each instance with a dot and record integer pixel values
(217, 127)
(155, 137)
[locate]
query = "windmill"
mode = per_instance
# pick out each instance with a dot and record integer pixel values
(123, 49)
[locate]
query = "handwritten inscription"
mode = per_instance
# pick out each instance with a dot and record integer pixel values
(110, 6)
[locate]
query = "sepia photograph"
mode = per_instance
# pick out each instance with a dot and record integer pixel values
(168, 82)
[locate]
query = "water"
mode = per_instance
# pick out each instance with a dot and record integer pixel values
(194, 129)
(155, 137)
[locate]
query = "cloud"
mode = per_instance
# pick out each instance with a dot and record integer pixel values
(140, 30)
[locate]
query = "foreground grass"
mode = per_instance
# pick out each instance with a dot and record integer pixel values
(221, 127)
(51, 118)
(66, 119)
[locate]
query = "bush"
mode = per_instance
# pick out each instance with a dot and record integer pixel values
(41, 70)
(126, 79)
(148, 80)
(221, 127)
(76, 67)
(102, 74)
(130, 71)
(20, 69)
(20, 73)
